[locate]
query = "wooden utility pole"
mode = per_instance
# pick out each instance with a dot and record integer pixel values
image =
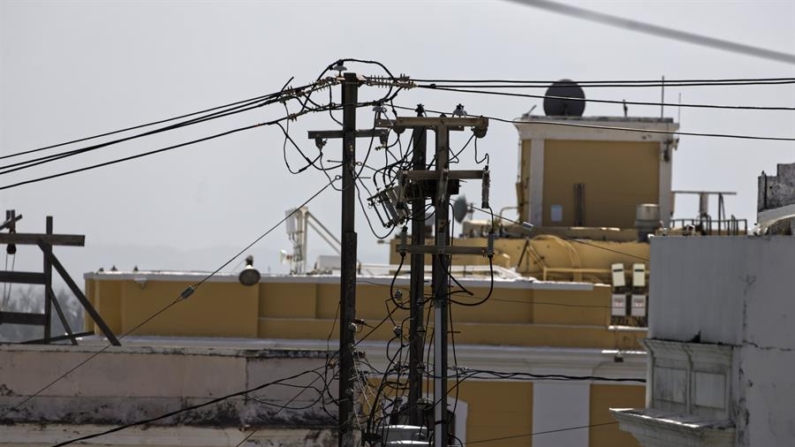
(350, 97)
(417, 281)
(348, 255)
(440, 184)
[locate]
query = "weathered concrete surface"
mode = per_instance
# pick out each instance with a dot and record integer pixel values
(46, 435)
(736, 295)
(128, 384)
(777, 190)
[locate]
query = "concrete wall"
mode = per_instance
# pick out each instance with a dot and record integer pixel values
(128, 384)
(619, 168)
(735, 291)
(777, 190)
(618, 175)
(519, 313)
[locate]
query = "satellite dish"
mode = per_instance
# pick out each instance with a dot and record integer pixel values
(460, 208)
(565, 88)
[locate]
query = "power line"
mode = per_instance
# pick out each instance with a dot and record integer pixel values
(526, 83)
(153, 123)
(153, 152)
(606, 101)
(661, 31)
(481, 441)
(477, 374)
(184, 295)
(274, 97)
(624, 129)
(282, 407)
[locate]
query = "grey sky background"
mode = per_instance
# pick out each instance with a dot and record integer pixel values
(73, 69)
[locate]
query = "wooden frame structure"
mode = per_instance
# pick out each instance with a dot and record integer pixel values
(46, 241)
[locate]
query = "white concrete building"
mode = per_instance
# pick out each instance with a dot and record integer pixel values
(135, 383)
(721, 344)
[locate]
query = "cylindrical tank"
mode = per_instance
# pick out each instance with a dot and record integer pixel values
(703, 204)
(647, 219)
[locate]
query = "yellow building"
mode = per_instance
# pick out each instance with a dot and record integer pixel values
(544, 358)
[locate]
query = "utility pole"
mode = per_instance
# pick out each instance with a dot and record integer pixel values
(417, 282)
(348, 255)
(440, 184)
(350, 98)
(440, 287)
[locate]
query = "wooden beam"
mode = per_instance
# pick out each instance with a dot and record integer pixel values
(22, 277)
(58, 338)
(62, 317)
(80, 297)
(10, 222)
(74, 240)
(22, 318)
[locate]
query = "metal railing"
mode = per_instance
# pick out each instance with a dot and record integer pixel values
(707, 226)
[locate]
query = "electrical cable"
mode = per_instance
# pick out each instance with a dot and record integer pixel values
(624, 129)
(185, 294)
(140, 126)
(60, 156)
(144, 154)
(269, 99)
(253, 432)
(487, 374)
(606, 101)
(660, 31)
(525, 83)
(503, 438)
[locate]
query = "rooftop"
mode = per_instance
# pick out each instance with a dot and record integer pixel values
(610, 119)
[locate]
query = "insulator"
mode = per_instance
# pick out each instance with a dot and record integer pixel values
(490, 245)
(403, 237)
(379, 81)
(486, 184)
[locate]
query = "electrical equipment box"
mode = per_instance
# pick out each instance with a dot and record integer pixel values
(638, 305)
(639, 275)
(619, 280)
(619, 305)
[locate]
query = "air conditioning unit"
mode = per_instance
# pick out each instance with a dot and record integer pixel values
(619, 305)
(619, 280)
(639, 275)
(638, 306)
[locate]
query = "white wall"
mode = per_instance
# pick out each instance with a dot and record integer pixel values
(737, 291)
(132, 383)
(561, 406)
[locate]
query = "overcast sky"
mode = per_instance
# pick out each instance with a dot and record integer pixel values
(74, 69)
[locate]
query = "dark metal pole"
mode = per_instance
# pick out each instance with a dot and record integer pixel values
(417, 284)
(350, 86)
(48, 284)
(440, 289)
